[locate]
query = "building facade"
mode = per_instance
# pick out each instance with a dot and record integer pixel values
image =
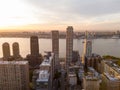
(14, 75)
(16, 51)
(6, 50)
(91, 83)
(34, 45)
(34, 58)
(87, 48)
(87, 45)
(87, 52)
(110, 82)
(44, 79)
(110, 67)
(55, 48)
(69, 46)
(91, 80)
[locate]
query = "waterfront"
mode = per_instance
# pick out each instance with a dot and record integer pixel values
(100, 46)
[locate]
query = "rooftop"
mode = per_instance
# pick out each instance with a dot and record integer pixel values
(113, 65)
(92, 78)
(47, 61)
(92, 74)
(72, 74)
(43, 76)
(13, 62)
(110, 77)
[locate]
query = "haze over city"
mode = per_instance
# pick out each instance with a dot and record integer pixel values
(47, 15)
(59, 44)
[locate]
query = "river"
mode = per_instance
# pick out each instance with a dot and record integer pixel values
(100, 46)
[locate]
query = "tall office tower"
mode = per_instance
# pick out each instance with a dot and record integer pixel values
(69, 46)
(87, 46)
(34, 58)
(14, 75)
(55, 48)
(15, 47)
(6, 51)
(34, 46)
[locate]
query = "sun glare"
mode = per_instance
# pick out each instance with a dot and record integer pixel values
(15, 13)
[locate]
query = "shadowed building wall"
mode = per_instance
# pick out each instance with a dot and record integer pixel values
(55, 48)
(34, 46)
(16, 51)
(34, 58)
(6, 51)
(14, 75)
(69, 46)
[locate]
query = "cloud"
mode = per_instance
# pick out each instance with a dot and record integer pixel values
(85, 8)
(75, 11)
(80, 13)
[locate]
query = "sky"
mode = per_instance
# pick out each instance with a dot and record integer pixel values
(34, 15)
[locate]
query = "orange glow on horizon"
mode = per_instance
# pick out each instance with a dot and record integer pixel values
(17, 16)
(49, 27)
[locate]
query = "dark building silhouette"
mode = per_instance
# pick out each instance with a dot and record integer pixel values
(86, 65)
(75, 56)
(6, 51)
(55, 48)
(69, 46)
(16, 51)
(34, 46)
(34, 58)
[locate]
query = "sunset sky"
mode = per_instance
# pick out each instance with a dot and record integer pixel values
(34, 15)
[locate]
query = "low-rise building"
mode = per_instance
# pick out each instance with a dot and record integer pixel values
(43, 81)
(43, 77)
(91, 80)
(111, 75)
(110, 82)
(91, 83)
(111, 68)
(72, 79)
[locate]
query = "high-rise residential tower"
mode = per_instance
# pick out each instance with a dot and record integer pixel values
(16, 52)
(55, 48)
(14, 75)
(34, 46)
(6, 50)
(69, 46)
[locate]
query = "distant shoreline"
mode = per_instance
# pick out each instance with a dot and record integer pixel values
(50, 37)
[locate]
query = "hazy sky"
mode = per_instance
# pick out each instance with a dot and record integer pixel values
(58, 14)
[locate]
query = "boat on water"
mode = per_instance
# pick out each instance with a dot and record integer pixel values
(115, 37)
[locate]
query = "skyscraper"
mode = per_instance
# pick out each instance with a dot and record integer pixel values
(14, 75)
(34, 46)
(69, 46)
(87, 45)
(34, 58)
(6, 51)
(55, 48)
(87, 53)
(16, 52)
